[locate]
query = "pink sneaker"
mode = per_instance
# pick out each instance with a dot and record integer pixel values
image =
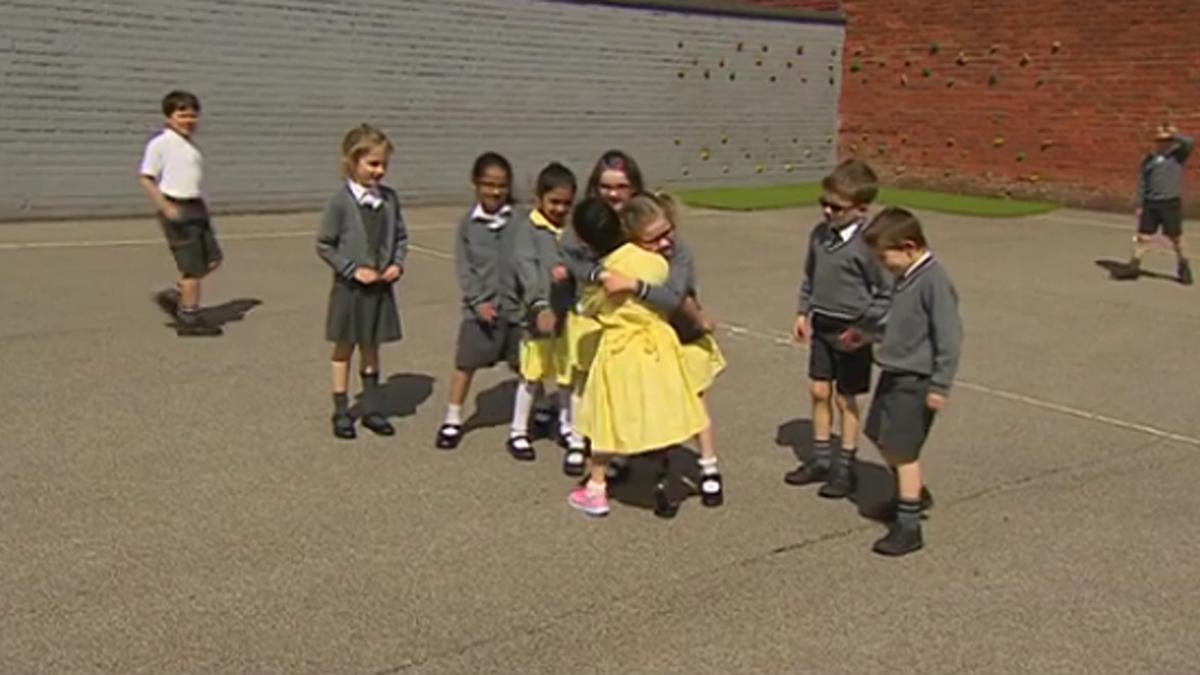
(591, 504)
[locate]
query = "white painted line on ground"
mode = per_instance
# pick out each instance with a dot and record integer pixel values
(159, 241)
(783, 339)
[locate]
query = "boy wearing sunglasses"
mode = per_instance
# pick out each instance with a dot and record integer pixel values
(844, 288)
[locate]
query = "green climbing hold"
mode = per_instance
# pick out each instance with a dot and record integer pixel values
(935, 48)
(855, 67)
(926, 73)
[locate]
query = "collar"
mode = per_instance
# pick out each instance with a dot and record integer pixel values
(918, 265)
(846, 232)
(540, 220)
(365, 196)
(494, 221)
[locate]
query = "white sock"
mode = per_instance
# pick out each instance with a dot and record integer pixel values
(708, 467)
(565, 422)
(453, 415)
(522, 406)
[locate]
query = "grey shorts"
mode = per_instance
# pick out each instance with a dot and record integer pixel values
(899, 420)
(483, 346)
(851, 371)
(191, 238)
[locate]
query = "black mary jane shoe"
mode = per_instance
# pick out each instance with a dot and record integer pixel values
(521, 448)
(449, 436)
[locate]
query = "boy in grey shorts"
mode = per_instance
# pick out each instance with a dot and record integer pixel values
(171, 175)
(918, 355)
(1159, 201)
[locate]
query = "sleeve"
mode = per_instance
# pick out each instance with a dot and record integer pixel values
(401, 253)
(945, 332)
(804, 305)
(669, 296)
(881, 284)
(533, 279)
(578, 258)
(152, 160)
(328, 236)
(473, 292)
(1141, 187)
(1183, 147)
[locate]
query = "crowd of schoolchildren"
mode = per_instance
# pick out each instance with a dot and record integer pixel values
(592, 299)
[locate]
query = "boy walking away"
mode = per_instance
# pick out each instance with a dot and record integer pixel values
(918, 355)
(844, 287)
(1159, 200)
(171, 174)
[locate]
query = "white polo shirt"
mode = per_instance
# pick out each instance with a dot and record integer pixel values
(175, 164)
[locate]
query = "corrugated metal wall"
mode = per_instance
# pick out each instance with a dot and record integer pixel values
(696, 97)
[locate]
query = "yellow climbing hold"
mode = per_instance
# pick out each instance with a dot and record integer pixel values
(759, 168)
(997, 141)
(705, 154)
(678, 141)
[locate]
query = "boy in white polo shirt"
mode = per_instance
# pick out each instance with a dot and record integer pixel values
(171, 174)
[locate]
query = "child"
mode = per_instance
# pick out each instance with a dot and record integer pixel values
(484, 250)
(541, 274)
(677, 300)
(615, 179)
(1159, 205)
(639, 396)
(843, 287)
(364, 239)
(171, 174)
(918, 355)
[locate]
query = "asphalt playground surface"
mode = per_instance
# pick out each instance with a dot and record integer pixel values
(175, 505)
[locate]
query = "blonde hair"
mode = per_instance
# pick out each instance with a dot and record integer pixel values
(359, 141)
(644, 209)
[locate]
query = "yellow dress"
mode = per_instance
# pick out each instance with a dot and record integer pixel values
(546, 359)
(639, 396)
(580, 337)
(704, 362)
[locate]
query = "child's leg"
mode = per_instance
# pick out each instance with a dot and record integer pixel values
(904, 534)
(460, 386)
(343, 424)
(522, 407)
(842, 480)
(373, 417)
(592, 498)
(711, 486)
(822, 421)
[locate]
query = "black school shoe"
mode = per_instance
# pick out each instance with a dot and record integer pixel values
(168, 301)
(806, 474)
(712, 490)
(198, 329)
(899, 542)
(449, 436)
(886, 512)
(575, 460)
(521, 449)
(1127, 272)
(841, 484)
(343, 427)
(544, 420)
(379, 424)
(1185, 273)
(663, 506)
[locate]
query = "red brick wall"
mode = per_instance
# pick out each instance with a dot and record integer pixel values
(1053, 98)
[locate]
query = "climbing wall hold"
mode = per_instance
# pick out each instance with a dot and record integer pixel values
(1033, 178)
(758, 62)
(855, 67)
(882, 64)
(759, 168)
(748, 155)
(707, 74)
(1040, 82)
(926, 73)
(832, 81)
(789, 64)
(799, 50)
(903, 80)
(724, 139)
(946, 173)
(858, 51)
(732, 77)
(685, 171)
(680, 74)
(962, 59)
(765, 49)
(695, 61)
(935, 48)
(1047, 144)
(950, 83)
(1020, 157)
(772, 78)
(705, 154)
(833, 52)
(993, 80)
(679, 44)
(740, 46)
(725, 168)
(1055, 47)
(678, 141)
(721, 63)
(807, 152)
(950, 142)
(795, 140)
(903, 139)
(1025, 60)
(788, 167)
(997, 141)
(993, 49)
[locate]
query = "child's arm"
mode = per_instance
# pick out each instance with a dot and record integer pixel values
(691, 309)
(401, 235)
(474, 294)
(945, 332)
(148, 175)
(1183, 146)
(671, 296)
(800, 328)
(578, 258)
(528, 252)
(872, 321)
(328, 235)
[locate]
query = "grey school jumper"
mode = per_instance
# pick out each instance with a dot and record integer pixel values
(922, 331)
(1161, 176)
(484, 261)
(537, 253)
(843, 279)
(681, 280)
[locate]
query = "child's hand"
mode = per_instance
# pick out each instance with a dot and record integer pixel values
(392, 273)
(170, 211)
(545, 321)
(935, 401)
(800, 329)
(366, 275)
(708, 325)
(487, 313)
(616, 284)
(559, 274)
(851, 340)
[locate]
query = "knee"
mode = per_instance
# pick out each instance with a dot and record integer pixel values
(847, 404)
(821, 391)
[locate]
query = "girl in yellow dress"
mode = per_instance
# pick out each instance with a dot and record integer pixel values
(678, 300)
(639, 397)
(546, 296)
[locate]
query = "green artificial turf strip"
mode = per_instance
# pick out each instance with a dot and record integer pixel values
(789, 196)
